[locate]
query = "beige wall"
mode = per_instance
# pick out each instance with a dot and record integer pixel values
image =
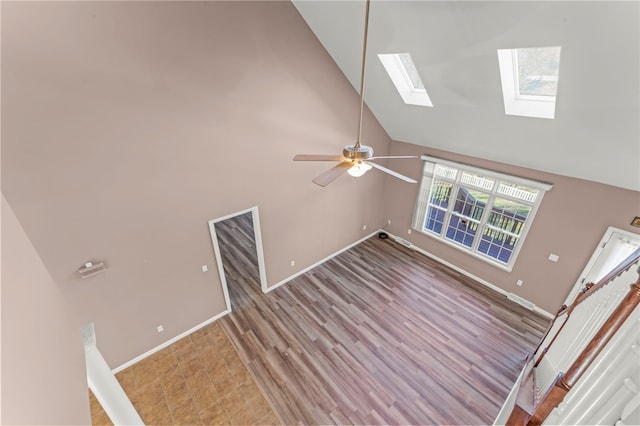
(570, 222)
(128, 125)
(43, 373)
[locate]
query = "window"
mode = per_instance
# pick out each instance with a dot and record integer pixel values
(405, 77)
(482, 212)
(529, 79)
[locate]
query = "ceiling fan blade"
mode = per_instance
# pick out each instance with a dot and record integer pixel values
(393, 156)
(392, 173)
(316, 157)
(332, 174)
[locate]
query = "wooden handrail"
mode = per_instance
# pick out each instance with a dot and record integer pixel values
(549, 327)
(564, 382)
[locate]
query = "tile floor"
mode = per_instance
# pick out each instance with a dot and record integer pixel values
(199, 380)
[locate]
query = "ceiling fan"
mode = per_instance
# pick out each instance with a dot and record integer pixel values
(356, 159)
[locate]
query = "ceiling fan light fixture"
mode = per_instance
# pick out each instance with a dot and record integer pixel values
(359, 168)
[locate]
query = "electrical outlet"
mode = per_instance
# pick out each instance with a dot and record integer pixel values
(204, 268)
(554, 257)
(389, 222)
(293, 262)
(160, 329)
(364, 227)
(519, 282)
(408, 231)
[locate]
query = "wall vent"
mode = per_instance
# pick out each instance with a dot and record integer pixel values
(404, 242)
(520, 301)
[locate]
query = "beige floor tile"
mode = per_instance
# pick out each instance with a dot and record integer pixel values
(198, 380)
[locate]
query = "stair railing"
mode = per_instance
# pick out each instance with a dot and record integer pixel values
(564, 382)
(597, 321)
(590, 288)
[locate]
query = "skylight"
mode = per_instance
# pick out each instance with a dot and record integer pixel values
(530, 80)
(406, 79)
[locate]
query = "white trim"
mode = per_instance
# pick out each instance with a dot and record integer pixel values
(510, 402)
(544, 186)
(308, 268)
(170, 342)
(257, 236)
(611, 230)
(108, 391)
(514, 104)
(465, 273)
(218, 256)
(400, 78)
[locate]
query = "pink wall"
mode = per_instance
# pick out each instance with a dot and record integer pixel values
(128, 125)
(43, 374)
(570, 222)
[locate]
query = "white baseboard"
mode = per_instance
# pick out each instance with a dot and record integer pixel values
(169, 342)
(221, 314)
(278, 284)
(526, 303)
(308, 268)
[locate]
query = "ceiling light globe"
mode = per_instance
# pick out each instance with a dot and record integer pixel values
(359, 169)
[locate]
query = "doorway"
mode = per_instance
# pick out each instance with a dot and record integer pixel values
(614, 247)
(237, 245)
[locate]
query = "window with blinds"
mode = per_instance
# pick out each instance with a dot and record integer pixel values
(483, 212)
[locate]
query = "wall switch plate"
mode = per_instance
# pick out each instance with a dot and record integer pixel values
(293, 262)
(389, 222)
(160, 329)
(554, 257)
(364, 227)
(408, 231)
(519, 282)
(204, 268)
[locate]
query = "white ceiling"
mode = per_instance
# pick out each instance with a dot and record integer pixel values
(596, 132)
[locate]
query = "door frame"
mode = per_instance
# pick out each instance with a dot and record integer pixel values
(611, 231)
(257, 236)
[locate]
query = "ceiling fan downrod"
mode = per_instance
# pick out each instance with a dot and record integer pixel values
(364, 56)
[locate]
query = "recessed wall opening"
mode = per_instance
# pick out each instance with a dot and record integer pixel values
(237, 245)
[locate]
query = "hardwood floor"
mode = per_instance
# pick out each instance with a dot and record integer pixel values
(377, 335)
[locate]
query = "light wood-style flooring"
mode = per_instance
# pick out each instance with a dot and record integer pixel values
(379, 334)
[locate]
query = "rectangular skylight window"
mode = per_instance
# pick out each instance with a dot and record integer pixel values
(530, 80)
(538, 70)
(406, 79)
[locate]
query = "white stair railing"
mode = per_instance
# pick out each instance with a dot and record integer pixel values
(587, 367)
(608, 384)
(578, 330)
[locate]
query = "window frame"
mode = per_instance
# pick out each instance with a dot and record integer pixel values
(399, 75)
(423, 203)
(515, 103)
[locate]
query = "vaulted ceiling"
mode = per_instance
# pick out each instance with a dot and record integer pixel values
(596, 132)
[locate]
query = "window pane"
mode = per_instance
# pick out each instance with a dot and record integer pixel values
(516, 191)
(470, 203)
(508, 216)
(538, 69)
(497, 245)
(468, 209)
(440, 193)
(410, 69)
(435, 219)
(438, 205)
(477, 181)
(461, 230)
